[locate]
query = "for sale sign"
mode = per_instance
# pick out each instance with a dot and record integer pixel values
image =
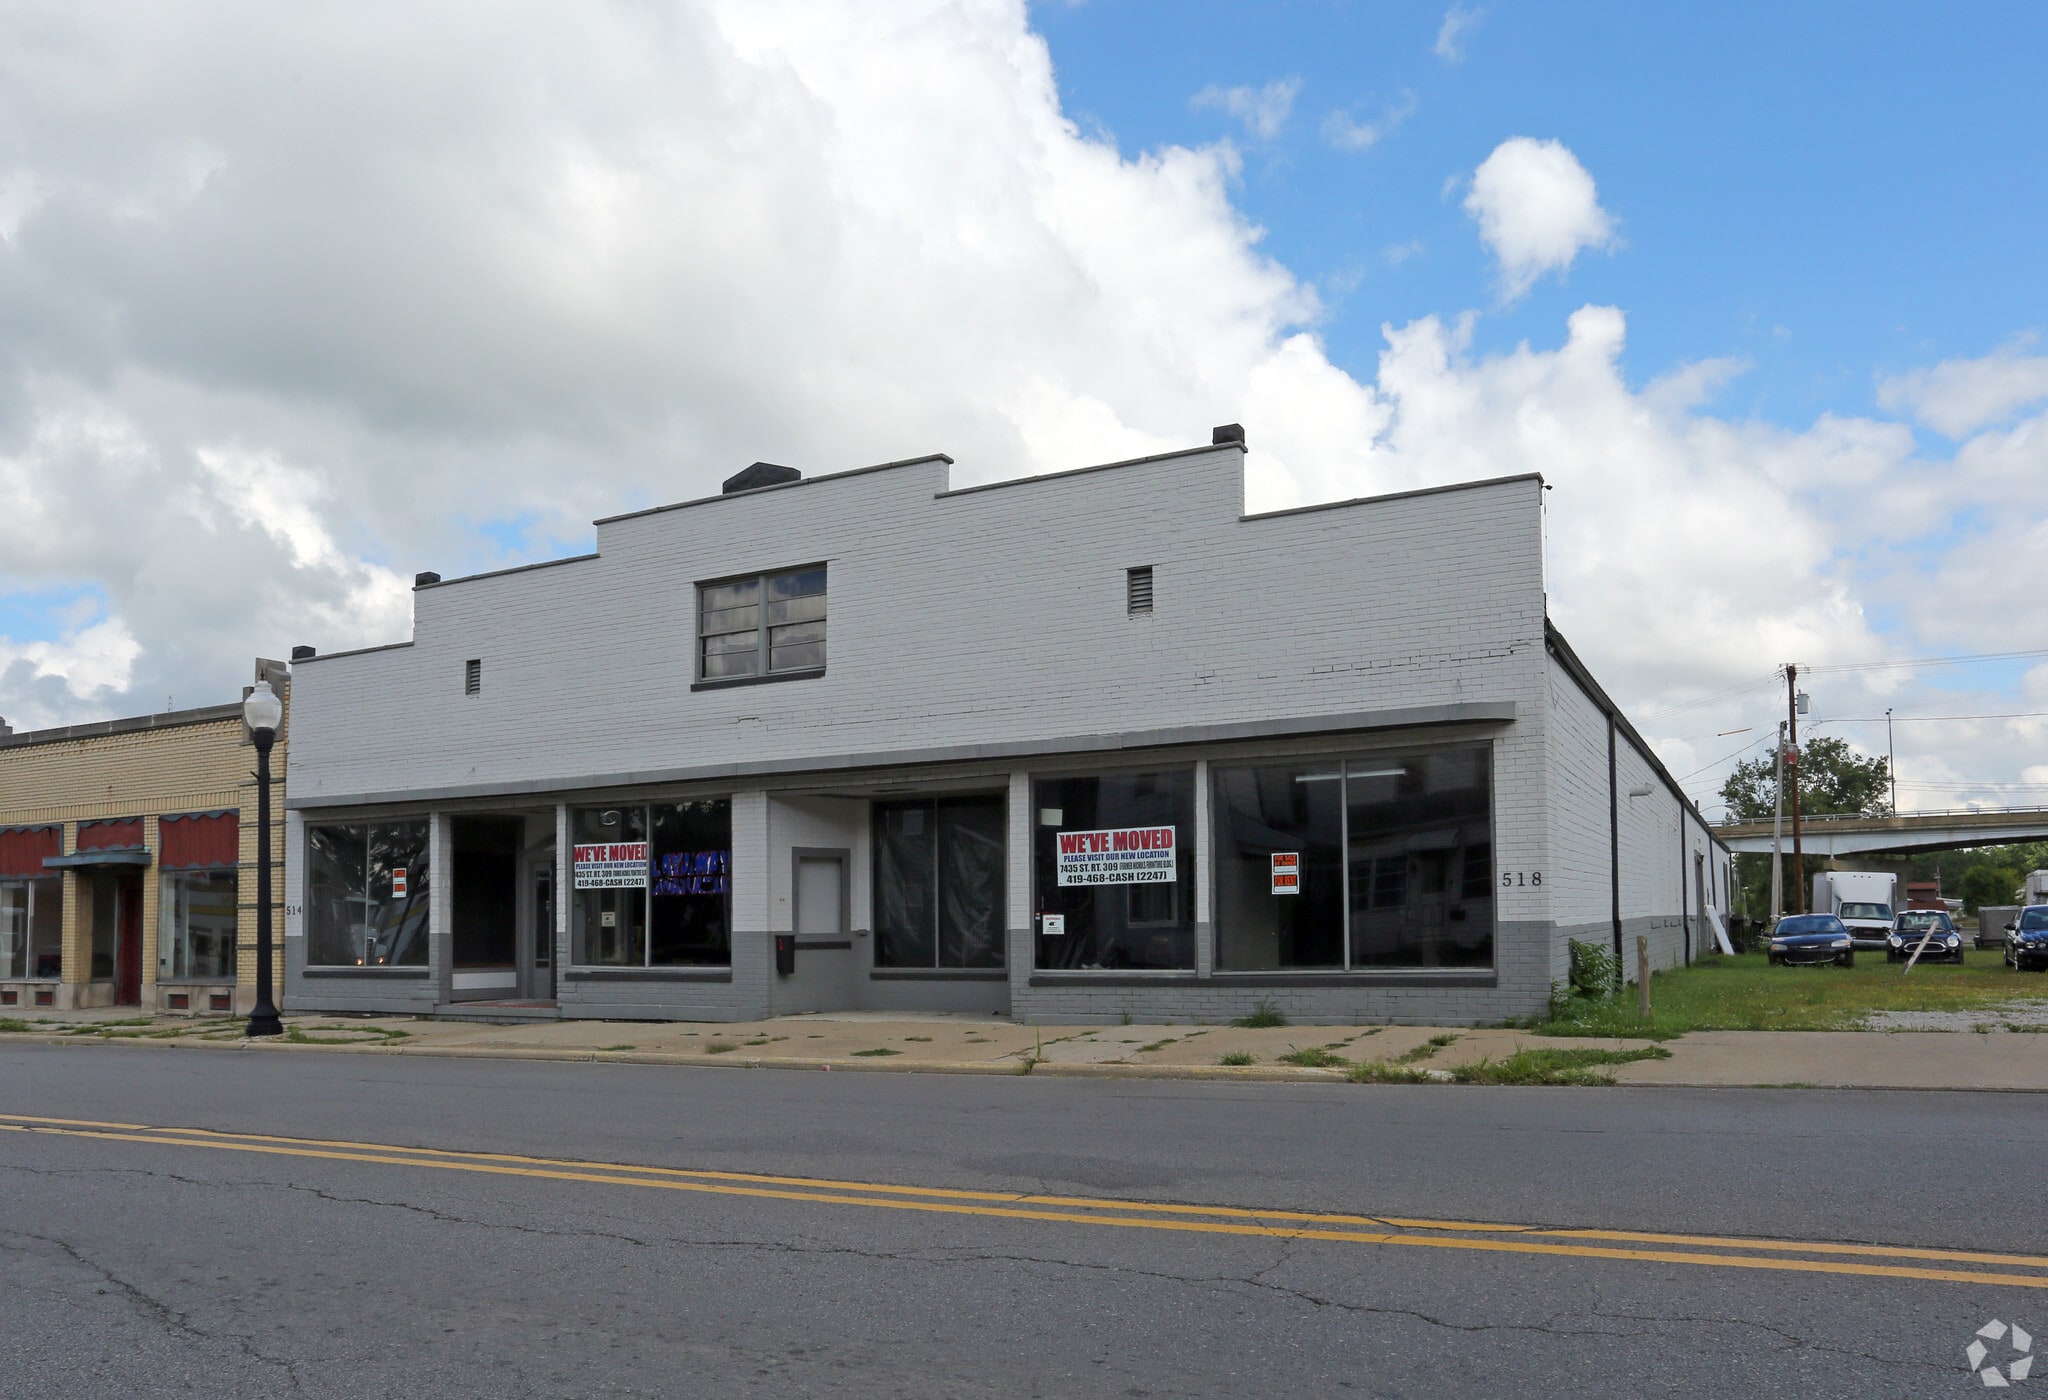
(1287, 872)
(621, 865)
(1130, 855)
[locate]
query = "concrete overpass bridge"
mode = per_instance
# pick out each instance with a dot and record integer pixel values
(1909, 831)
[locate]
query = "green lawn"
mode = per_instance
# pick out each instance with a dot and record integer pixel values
(1744, 993)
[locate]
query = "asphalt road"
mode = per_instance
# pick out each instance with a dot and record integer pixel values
(734, 1239)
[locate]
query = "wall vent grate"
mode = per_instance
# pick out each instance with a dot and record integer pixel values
(472, 678)
(1138, 590)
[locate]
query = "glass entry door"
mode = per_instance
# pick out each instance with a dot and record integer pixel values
(540, 968)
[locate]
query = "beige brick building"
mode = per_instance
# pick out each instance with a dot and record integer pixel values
(128, 861)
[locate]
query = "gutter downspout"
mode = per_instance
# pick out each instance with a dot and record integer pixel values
(1614, 845)
(1684, 914)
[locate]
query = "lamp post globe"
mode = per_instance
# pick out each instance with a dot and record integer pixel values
(263, 711)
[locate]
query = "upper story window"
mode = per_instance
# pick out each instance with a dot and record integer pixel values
(767, 625)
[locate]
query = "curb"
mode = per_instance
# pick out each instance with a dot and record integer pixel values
(865, 1065)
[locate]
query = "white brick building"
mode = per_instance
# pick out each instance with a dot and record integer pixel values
(1049, 747)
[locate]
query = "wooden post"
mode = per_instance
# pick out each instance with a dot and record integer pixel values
(1643, 975)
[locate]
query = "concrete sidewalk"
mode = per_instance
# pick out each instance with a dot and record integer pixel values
(955, 1044)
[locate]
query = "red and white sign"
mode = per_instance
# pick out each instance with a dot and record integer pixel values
(1128, 855)
(621, 865)
(1287, 872)
(398, 882)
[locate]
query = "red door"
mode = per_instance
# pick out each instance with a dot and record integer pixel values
(128, 947)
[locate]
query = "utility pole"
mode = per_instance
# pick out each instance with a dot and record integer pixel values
(1778, 835)
(1891, 758)
(1798, 852)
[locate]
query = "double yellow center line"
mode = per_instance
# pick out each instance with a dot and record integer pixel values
(1797, 1256)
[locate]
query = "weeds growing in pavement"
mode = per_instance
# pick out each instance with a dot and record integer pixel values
(720, 1047)
(878, 1050)
(1238, 1057)
(1158, 1045)
(1314, 1057)
(1264, 1014)
(1552, 1066)
(1380, 1072)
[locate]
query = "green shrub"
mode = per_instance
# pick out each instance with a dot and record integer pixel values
(1596, 972)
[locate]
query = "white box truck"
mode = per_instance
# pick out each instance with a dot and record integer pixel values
(1862, 899)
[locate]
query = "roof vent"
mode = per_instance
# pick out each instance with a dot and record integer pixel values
(1227, 433)
(5, 727)
(303, 653)
(759, 475)
(422, 580)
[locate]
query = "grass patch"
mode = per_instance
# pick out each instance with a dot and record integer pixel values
(979, 1040)
(720, 1047)
(1158, 1044)
(1554, 1066)
(1264, 1014)
(1314, 1057)
(921, 1039)
(1426, 1049)
(350, 1035)
(878, 1050)
(1381, 1072)
(1744, 993)
(615, 1047)
(14, 1023)
(1238, 1057)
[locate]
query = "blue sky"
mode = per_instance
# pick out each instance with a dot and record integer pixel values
(308, 302)
(1830, 192)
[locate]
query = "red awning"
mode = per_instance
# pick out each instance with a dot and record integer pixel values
(22, 849)
(125, 834)
(209, 842)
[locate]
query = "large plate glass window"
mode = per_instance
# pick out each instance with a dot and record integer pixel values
(366, 894)
(767, 625)
(197, 914)
(1392, 857)
(31, 928)
(1113, 871)
(653, 885)
(939, 882)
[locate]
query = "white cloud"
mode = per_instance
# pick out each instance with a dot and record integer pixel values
(383, 297)
(1459, 22)
(1349, 133)
(1957, 397)
(1262, 110)
(1537, 210)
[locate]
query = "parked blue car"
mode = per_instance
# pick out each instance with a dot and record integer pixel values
(2026, 939)
(1913, 925)
(1811, 938)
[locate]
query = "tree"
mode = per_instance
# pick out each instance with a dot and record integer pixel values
(1987, 884)
(1833, 780)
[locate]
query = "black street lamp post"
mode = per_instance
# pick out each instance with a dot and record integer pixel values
(263, 712)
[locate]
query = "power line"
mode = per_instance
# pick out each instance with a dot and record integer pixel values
(1982, 658)
(1924, 719)
(1729, 694)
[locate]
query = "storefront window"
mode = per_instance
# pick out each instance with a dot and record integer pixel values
(31, 928)
(653, 900)
(939, 882)
(689, 921)
(1114, 872)
(196, 924)
(366, 895)
(1391, 855)
(1279, 866)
